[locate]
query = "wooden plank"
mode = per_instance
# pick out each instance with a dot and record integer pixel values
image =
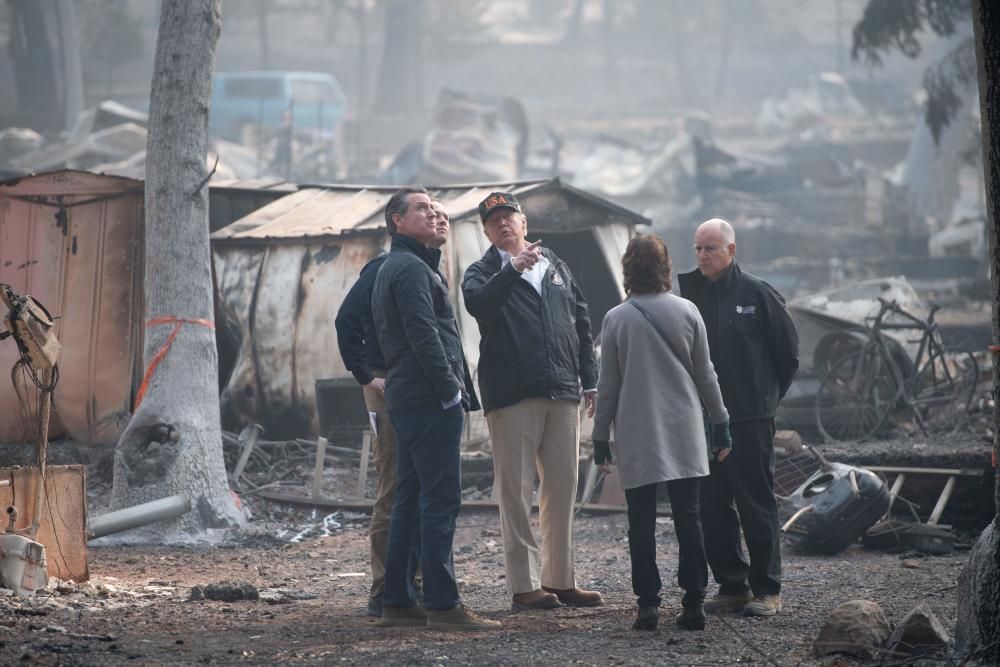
(317, 485)
(63, 528)
(942, 501)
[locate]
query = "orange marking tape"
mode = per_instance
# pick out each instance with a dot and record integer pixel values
(178, 322)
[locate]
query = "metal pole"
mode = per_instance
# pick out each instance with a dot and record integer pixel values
(41, 448)
(138, 515)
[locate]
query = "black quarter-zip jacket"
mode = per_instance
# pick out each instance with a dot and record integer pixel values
(531, 345)
(751, 338)
(417, 332)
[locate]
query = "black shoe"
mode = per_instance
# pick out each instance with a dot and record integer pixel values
(374, 607)
(646, 619)
(692, 618)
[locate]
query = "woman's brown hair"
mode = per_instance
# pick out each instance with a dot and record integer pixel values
(646, 265)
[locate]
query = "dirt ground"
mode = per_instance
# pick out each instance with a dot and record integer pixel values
(135, 608)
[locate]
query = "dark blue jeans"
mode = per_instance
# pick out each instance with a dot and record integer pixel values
(428, 498)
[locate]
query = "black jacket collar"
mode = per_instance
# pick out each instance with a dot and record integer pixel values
(404, 243)
(492, 258)
(725, 284)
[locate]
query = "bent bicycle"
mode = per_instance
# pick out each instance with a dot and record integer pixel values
(863, 390)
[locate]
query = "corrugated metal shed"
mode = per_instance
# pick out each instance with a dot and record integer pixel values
(73, 240)
(230, 200)
(283, 271)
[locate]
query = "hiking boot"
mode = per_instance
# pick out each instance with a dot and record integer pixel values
(723, 602)
(574, 597)
(458, 618)
(691, 618)
(763, 605)
(374, 607)
(403, 617)
(646, 619)
(536, 599)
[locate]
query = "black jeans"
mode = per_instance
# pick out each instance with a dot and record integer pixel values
(425, 510)
(739, 492)
(692, 570)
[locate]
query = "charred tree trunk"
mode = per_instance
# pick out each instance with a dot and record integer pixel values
(977, 632)
(173, 444)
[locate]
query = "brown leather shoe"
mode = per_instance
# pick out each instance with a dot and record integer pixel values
(536, 599)
(574, 597)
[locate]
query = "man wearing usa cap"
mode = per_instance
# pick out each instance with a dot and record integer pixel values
(536, 350)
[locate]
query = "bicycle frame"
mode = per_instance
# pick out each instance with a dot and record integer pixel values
(880, 378)
(930, 345)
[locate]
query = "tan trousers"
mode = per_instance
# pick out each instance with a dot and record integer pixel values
(384, 454)
(543, 435)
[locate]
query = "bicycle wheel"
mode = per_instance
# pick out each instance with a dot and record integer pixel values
(944, 388)
(856, 396)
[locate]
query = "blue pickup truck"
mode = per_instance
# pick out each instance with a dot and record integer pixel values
(265, 100)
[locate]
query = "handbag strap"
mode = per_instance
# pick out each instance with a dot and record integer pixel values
(663, 335)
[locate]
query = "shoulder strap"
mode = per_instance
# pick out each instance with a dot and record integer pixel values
(660, 332)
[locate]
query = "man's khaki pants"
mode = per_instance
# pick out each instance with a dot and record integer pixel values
(544, 435)
(384, 453)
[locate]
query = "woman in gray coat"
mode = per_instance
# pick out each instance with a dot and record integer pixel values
(656, 375)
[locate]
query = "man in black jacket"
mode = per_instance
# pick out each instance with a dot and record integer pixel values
(425, 394)
(363, 358)
(535, 350)
(755, 349)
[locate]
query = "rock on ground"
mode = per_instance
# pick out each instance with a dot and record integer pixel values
(919, 631)
(857, 628)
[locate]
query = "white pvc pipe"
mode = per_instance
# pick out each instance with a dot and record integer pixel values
(138, 515)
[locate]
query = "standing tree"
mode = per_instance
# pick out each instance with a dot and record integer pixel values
(896, 25)
(173, 444)
(977, 632)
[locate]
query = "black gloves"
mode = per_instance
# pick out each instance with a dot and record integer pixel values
(721, 438)
(602, 451)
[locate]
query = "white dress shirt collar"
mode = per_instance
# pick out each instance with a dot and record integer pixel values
(535, 275)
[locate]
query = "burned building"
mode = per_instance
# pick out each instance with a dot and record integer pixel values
(283, 271)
